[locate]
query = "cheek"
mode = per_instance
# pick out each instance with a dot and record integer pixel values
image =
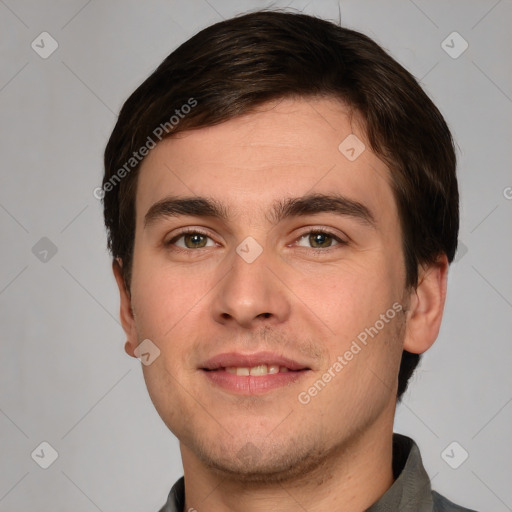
(346, 298)
(361, 376)
(164, 297)
(358, 303)
(169, 393)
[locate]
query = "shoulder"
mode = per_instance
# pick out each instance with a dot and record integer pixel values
(442, 504)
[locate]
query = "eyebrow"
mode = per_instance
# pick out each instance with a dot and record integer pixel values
(311, 204)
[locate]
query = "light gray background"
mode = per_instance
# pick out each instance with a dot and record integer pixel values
(64, 377)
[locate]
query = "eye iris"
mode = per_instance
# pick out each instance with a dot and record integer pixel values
(195, 237)
(319, 238)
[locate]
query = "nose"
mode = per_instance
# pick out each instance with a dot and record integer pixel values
(251, 294)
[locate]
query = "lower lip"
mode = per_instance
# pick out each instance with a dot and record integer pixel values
(250, 384)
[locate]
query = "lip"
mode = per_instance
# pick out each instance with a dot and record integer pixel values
(228, 359)
(214, 370)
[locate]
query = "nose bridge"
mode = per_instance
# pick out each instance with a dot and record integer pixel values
(250, 291)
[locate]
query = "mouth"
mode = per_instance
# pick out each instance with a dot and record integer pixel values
(255, 371)
(252, 373)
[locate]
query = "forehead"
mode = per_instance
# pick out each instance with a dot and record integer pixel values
(287, 148)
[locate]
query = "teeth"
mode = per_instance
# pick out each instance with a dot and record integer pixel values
(261, 369)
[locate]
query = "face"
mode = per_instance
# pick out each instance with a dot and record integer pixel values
(307, 299)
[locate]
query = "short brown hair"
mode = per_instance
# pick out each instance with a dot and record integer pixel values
(232, 67)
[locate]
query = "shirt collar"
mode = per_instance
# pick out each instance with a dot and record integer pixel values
(410, 491)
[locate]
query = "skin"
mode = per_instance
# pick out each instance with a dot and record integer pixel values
(335, 452)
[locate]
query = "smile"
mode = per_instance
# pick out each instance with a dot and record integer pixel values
(250, 374)
(262, 369)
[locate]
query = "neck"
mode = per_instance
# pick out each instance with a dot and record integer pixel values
(351, 478)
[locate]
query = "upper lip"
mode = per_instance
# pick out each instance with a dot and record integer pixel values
(231, 359)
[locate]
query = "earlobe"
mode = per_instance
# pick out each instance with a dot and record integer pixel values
(126, 312)
(426, 307)
(129, 349)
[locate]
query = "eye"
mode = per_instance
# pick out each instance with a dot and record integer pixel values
(191, 240)
(194, 239)
(321, 239)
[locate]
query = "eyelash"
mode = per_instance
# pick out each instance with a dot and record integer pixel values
(323, 231)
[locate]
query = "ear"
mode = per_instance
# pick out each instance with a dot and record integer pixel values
(126, 312)
(426, 307)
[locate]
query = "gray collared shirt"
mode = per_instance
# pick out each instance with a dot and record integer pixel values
(411, 491)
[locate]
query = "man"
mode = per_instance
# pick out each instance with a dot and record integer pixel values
(282, 207)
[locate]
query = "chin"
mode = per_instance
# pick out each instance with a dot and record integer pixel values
(249, 464)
